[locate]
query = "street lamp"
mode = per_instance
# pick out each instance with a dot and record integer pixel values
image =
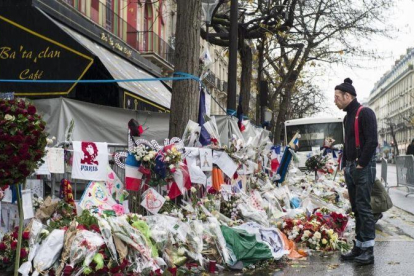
(208, 7)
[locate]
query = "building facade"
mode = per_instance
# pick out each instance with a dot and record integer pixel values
(392, 99)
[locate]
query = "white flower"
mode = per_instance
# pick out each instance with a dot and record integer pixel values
(146, 158)
(330, 232)
(180, 215)
(306, 233)
(9, 117)
(167, 159)
(167, 198)
(317, 235)
(181, 251)
(193, 189)
(213, 225)
(172, 167)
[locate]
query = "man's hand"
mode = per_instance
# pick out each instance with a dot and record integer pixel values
(359, 167)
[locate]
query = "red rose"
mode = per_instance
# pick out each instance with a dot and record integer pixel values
(17, 139)
(31, 109)
(6, 260)
(26, 235)
(95, 228)
(3, 246)
(24, 149)
(13, 244)
(15, 160)
(23, 253)
(21, 104)
(36, 133)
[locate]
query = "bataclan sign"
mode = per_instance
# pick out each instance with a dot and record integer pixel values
(32, 47)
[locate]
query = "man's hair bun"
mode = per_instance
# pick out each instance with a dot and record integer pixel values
(348, 80)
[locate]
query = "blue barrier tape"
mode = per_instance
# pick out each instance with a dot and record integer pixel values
(184, 76)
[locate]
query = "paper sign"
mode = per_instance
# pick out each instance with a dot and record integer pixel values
(152, 201)
(90, 161)
(7, 195)
(114, 186)
(196, 174)
(36, 186)
(316, 151)
(225, 191)
(209, 182)
(250, 167)
(97, 196)
(226, 164)
(43, 169)
(206, 160)
(55, 160)
(27, 204)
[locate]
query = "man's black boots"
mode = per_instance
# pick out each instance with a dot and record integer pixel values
(355, 252)
(366, 257)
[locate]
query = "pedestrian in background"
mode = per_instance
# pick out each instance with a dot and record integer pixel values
(410, 149)
(360, 169)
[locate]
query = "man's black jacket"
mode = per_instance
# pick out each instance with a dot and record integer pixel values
(368, 136)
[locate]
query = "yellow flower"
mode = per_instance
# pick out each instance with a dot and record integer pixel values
(324, 241)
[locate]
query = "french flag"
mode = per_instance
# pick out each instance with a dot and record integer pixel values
(133, 177)
(274, 159)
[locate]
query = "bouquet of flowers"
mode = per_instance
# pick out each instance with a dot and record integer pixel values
(316, 163)
(320, 231)
(157, 167)
(22, 140)
(8, 247)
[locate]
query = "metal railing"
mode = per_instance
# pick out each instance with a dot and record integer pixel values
(405, 172)
(143, 42)
(150, 42)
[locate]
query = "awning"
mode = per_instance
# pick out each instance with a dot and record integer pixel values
(120, 68)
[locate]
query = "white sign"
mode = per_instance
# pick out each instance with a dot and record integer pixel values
(90, 161)
(227, 164)
(55, 160)
(152, 201)
(206, 160)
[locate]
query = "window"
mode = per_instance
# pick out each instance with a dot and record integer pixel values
(109, 19)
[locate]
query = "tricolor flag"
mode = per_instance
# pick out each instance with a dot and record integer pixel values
(274, 159)
(133, 177)
(240, 116)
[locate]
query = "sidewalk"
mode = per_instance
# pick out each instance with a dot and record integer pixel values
(398, 194)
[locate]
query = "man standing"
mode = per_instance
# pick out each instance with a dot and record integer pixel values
(360, 169)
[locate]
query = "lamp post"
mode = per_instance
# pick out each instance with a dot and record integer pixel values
(232, 78)
(208, 7)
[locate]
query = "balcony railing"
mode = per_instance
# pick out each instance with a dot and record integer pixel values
(150, 42)
(143, 42)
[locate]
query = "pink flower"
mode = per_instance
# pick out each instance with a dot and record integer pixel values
(119, 209)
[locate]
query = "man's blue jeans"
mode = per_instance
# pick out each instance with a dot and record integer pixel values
(359, 183)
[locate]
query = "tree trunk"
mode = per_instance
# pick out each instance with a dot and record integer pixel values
(185, 93)
(246, 76)
(397, 152)
(284, 107)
